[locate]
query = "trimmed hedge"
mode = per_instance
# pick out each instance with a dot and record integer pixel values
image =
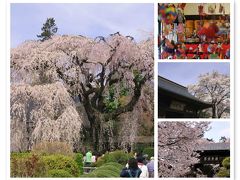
(107, 170)
(59, 173)
(117, 165)
(105, 173)
(27, 165)
(110, 168)
(79, 161)
(33, 165)
(61, 162)
(39, 165)
(116, 156)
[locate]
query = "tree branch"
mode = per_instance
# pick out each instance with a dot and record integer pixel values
(135, 97)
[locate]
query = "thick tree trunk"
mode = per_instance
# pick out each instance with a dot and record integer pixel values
(101, 126)
(103, 133)
(98, 139)
(214, 114)
(96, 135)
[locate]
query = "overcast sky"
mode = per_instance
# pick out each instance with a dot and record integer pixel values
(90, 20)
(219, 128)
(186, 73)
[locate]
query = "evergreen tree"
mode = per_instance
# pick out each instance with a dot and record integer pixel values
(223, 139)
(48, 30)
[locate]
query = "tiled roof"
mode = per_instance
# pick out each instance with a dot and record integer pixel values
(213, 146)
(177, 89)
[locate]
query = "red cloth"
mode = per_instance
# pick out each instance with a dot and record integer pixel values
(209, 30)
(190, 53)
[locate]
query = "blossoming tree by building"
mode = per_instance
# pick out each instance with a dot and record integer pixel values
(214, 88)
(176, 144)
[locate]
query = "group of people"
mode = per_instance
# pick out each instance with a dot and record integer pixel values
(139, 167)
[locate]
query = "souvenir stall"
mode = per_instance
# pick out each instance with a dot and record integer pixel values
(194, 31)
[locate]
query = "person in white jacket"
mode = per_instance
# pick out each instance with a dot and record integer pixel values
(143, 168)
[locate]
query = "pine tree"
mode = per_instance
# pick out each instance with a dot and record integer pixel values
(48, 30)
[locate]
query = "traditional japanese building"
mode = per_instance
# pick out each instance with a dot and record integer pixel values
(211, 156)
(213, 153)
(174, 101)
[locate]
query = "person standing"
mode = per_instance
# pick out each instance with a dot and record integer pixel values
(132, 170)
(88, 161)
(143, 167)
(93, 158)
(150, 167)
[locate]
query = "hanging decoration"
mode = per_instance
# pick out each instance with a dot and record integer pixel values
(211, 8)
(180, 15)
(161, 12)
(182, 5)
(221, 9)
(167, 13)
(201, 35)
(171, 14)
(200, 10)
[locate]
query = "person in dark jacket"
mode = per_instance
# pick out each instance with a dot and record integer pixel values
(133, 171)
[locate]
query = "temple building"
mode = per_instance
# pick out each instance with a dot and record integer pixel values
(174, 101)
(213, 153)
(211, 156)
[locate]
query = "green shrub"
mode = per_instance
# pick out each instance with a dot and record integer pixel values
(79, 161)
(100, 161)
(101, 173)
(33, 165)
(61, 162)
(226, 163)
(90, 175)
(20, 155)
(27, 165)
(149, 151)
(116, 156)
(58, 173)
(117, 165)
(223, 172)
(111, 169)
(51, 148)
(106, 173)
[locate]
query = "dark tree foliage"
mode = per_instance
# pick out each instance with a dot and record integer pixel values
(48, 30)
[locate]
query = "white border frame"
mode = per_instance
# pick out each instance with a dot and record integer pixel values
(5, 10)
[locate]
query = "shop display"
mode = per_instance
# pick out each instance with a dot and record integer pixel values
(194, 31)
